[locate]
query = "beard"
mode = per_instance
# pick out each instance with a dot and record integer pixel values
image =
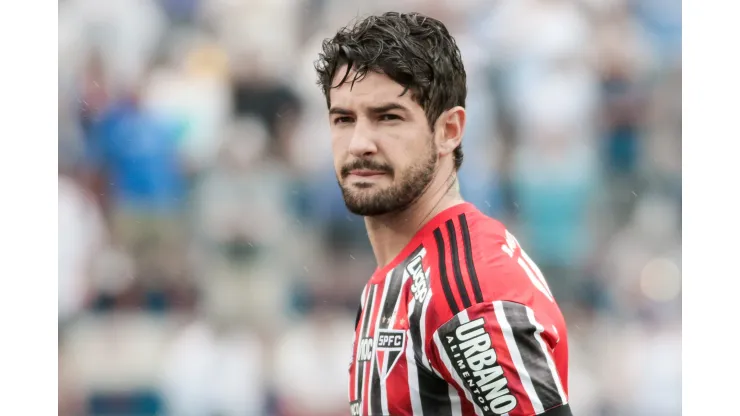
(360, 199)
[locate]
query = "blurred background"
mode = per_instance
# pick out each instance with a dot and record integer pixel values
(208, 265)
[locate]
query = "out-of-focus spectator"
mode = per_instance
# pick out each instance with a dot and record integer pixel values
(113, 361)
(555, 178)
(481, 173)
(623, 58)
(193, 86)
(94, 95)
(257, 92)
(90, 105)
(662, 21)
(140, 152)
(249, 25)
(213, 368)
(656, 373)
(82, 238)
(535, 39)
(661, 165)
(244, 224)
(71, 396)
(127, 33)
(182, 12)
(311, 364)
(651, 235)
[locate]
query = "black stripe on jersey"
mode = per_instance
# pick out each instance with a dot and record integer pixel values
(376, 408)
(357, 318)
(364, 331)
(434, 393)
(391, 300)
(456, 265)
(532, 355)
(469, 258)
(443, 272)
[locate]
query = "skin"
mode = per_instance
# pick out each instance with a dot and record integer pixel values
(391, 166)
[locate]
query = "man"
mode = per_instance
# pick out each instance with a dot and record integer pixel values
(457, 319)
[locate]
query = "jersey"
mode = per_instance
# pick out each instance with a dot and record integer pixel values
(461, 322)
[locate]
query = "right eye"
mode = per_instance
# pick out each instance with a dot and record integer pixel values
(342, 120)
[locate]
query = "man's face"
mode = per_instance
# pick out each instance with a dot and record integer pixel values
(384, 151)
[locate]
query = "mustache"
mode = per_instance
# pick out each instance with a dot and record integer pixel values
(364, 164)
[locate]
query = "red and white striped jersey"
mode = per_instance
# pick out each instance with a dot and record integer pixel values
(462, 322)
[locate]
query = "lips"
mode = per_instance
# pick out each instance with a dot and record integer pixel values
(366, 173)
(365, 170)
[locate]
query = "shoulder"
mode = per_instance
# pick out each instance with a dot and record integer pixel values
(474, 259)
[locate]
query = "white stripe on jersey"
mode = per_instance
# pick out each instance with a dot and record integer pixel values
(362, 298)
(463, 317)
(516, 357)
(546, 351)
(455, 401)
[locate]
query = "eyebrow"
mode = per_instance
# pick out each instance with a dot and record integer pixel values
(386, 107)
(340, 111)
(383, 108)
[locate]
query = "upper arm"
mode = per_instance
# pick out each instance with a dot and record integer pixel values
(499, 354)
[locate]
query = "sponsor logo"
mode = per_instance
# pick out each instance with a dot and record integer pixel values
(365, 350)
(355, 407)
(419, 277)
(474, 360)
(390, 340)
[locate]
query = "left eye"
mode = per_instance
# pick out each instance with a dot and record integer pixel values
(388, 117)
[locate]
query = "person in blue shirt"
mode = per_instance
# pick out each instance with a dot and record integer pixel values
(139, 151)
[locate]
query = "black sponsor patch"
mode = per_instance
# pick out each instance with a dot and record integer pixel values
(390, 339)
(471, 354)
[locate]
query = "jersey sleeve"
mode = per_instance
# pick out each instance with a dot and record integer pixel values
(500, 356)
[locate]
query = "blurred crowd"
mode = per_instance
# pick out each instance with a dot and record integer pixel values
(208, 265)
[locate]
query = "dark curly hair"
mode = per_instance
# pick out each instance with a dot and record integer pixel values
(413, 50)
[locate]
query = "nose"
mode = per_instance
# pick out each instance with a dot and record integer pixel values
(362, 143)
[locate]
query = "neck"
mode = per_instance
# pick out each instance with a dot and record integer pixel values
(390, 233)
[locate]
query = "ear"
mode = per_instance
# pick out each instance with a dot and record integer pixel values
(450, 127)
